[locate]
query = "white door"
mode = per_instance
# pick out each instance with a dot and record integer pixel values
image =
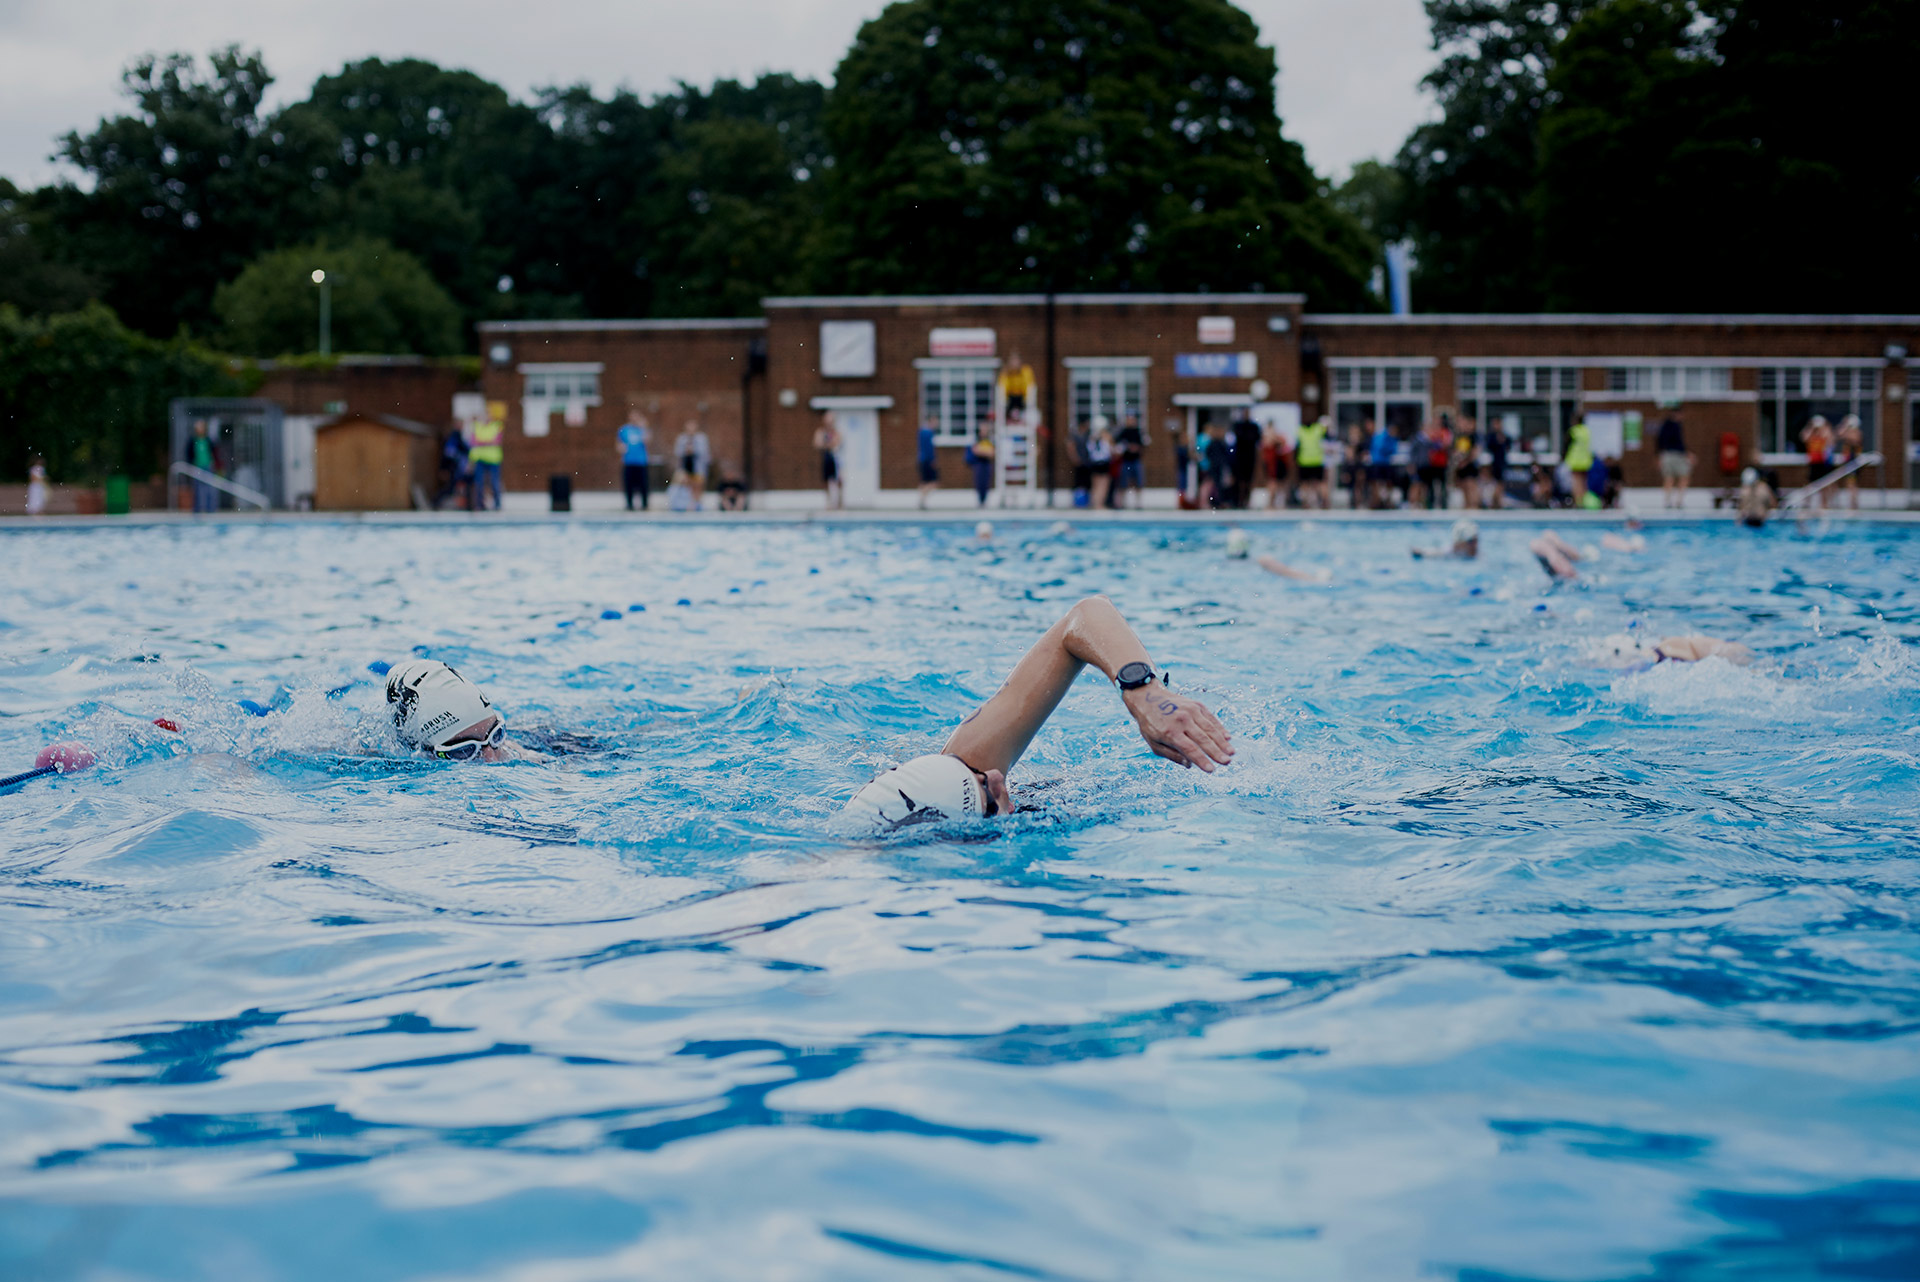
(859, 456)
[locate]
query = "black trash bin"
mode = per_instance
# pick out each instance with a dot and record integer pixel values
(560, 491)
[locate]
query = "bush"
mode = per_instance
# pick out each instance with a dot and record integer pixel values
(89, 395)
(383, 301)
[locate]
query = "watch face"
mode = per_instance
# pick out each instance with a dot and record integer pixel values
(1135, 674)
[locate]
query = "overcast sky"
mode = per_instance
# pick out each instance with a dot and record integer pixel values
(1348, 68)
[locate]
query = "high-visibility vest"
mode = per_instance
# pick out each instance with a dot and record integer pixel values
(1311, 452)
(1579, 451)
(486, 441)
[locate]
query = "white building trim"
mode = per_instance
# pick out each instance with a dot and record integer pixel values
(851, 402)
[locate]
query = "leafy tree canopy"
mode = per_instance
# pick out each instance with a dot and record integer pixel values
(383, 300)
(1026, 144)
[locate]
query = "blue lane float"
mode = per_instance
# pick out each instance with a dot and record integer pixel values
(611, 614)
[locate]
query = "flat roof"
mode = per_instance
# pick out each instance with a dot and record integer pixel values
(1602, 318)
(581, 326)
(1028, 300)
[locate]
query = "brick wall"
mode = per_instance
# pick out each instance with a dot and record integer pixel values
(675, 372)
(408, 388)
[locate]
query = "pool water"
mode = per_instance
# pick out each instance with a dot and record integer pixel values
(1479, 962)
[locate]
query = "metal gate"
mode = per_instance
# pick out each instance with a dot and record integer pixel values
(248, 435)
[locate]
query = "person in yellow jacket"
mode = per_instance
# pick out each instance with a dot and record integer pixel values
(485, 451)
(1310, 457)
(1579, 461)
(1016, 386)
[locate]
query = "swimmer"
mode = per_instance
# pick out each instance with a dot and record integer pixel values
(967, 778)
(1464, 540)
(1757, 501)
(1238, 543)
(1557, 556)
(1274, 565)
(1630, 653)
(441, 713)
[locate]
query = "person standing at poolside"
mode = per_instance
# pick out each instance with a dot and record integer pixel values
(826, 441)
(1382, 445)
(453, 458)
(1273, 463)
(1310, 458)
(201, 453)
(1130, 443)
(488, 453)
(1016, 386)
(1816, 438)
(1676, 461)
(1579, 461)
(927, 458)
(980, 459)
(1493, 493)
(693, 453)
(1849, 443)
(631, 444)
(1099, 463)
(1246, 457)
(37, 490)
(1432, 451)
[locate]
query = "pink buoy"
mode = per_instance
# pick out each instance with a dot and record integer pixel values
(64, 757)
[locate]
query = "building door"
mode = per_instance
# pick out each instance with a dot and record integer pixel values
(859, 456)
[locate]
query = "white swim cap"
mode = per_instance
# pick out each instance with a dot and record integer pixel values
(1465, 531)
(1749, 476)
(1625, 651)
(1238, 542)
(431, 703)
(927, 789)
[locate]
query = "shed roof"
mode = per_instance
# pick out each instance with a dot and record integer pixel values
(393, 421)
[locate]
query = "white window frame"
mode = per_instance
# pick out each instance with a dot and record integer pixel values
(1805, 370)
(1101, 375)
(1668, 380)
(1366, 379)
(537, 400)
(1470, 394)
(976, 372)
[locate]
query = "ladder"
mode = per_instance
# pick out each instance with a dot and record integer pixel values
(1016, 471)
(1806, 492)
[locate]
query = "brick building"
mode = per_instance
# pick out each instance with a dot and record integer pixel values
(1176, 361)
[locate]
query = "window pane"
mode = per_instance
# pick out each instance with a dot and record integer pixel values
(1669, 379)
(981, 382)
(1866, 381)
(1569, 380)
(1618, 380)
(1769, 379)
(1367, 378)
(1817, 379)
(1543, 381)
(1843, 380)
(1469, 378)
(1493, 378)
(1770, 426)
(1390, 379)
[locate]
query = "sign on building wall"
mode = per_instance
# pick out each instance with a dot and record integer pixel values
(961, 342)
(1216, 365)
(847, 349)
(1216, 329)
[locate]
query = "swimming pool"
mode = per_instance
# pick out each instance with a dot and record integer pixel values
(1478, 962)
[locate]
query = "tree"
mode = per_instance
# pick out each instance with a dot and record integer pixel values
(30, 280)
(90, 396)
(1470, 175)
(1030, 144)
(383, 300)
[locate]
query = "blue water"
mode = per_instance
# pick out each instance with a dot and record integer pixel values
(1479, 962)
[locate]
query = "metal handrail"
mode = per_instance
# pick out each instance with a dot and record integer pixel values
(240, 492)
(1838, 474)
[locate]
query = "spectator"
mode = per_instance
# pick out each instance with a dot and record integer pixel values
(1100, 462)
(1382, 445)
(826, 439)
(680, 493)
(1185, 449)
(1078, 442)
(1246, 458)
(1816, 438)
(203, 455)
(733, 490)
(980, 459)
(488, 454)
(1432, 451)
(1216, 461)
(1354, 465)
(1273, 462)
(1676, 461)
(1130, 444)
(694, 454)
(1311, 460)
(1494, 491)
(1016, 385)
(632, 444)
(927, 458)
(1849, 444)
(1579, 461)
(453, 462)
(37, 491)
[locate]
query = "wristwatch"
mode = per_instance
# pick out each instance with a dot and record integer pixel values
(1133, 676)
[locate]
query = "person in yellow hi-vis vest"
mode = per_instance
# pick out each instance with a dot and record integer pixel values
(1310, 457)
(487, 455)
(1016, 387)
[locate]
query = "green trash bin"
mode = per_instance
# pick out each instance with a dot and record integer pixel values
(119, 498)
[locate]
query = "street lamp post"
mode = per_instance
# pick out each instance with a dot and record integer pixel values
(326, 311)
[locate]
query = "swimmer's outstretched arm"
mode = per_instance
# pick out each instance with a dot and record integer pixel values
(1692, 649)
(1177, 728)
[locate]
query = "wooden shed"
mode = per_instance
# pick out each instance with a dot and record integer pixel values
(370, 462)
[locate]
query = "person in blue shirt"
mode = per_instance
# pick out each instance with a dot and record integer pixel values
(634, 438)
(1381, 447)
(929, 461)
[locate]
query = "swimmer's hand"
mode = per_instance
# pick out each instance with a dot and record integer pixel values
(1178, 728)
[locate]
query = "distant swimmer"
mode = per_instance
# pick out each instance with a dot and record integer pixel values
(967, 778)
(1557, 556)
(1630, 653)
(1274, 565)
(1631, 541)
(437, 711)
(1756, 501)
(1463, 544)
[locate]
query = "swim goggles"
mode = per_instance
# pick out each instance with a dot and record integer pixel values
(468, 749)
